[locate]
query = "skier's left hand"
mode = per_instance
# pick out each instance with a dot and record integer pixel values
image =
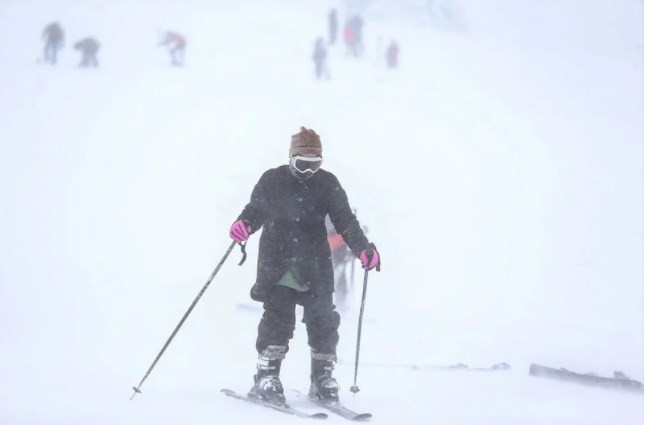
(369, 258)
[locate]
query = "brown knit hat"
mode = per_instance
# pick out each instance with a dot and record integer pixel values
(306, 142)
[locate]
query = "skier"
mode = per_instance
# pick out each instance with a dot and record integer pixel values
(89, 47)
(54, 38)
(320, 59)
(341, 259)
(177, 47)
(357, 23)
(290, 202)
(332, 23)
(349, 35)
(392, 55)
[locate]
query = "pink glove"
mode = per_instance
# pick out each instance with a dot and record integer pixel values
(240, 231)
(369, 258)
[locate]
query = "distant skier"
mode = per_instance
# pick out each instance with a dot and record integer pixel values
(290, 202)
(176, 47)
(54, 39)
(353, 35)
(89, 47)
(357, 23)
(350, 39)
(332, 23)
(320, 59)
(392, 55)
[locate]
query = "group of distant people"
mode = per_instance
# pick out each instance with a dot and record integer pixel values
(54, 39)
(353, 38)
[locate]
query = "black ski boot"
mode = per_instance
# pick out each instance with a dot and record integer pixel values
(323, 386)
(267, 380)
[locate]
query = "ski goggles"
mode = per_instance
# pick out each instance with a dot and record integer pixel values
(306, 164)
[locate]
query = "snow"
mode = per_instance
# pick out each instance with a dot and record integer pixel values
(499, 170)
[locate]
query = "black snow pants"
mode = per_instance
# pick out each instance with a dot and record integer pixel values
(279, 319)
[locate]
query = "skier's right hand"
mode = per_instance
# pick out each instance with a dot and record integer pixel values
(240, 231)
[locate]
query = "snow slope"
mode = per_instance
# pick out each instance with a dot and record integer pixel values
(499, 172)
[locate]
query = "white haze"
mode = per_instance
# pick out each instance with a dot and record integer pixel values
(499, 171)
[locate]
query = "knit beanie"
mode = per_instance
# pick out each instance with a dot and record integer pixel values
(306, 142)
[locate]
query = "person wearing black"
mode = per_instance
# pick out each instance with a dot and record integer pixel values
(320, 59)
(332, 23)
(89, 47)
(357, 23)
(290, 204)
(54, 38)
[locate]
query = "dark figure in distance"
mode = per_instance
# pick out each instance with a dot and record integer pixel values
(290, 204)
(392, 55)
(54, 38)
(357, 23)
(320, 59)
(332, 22)
(176, 46)
(89, 47)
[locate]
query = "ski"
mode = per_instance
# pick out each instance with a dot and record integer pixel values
(618, 381)
(337, 408)
(284, 408)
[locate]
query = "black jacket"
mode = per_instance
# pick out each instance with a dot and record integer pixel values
(292, 212)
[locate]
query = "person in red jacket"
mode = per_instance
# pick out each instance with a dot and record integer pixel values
(349, 36)
(342, 259)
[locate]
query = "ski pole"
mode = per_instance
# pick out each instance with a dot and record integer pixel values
(137, 389)
(353, 280)
(354, 387)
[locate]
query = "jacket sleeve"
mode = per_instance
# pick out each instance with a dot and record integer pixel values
(257, 210)
(344, 219)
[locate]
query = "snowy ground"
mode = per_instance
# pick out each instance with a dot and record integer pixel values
(500, 172)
